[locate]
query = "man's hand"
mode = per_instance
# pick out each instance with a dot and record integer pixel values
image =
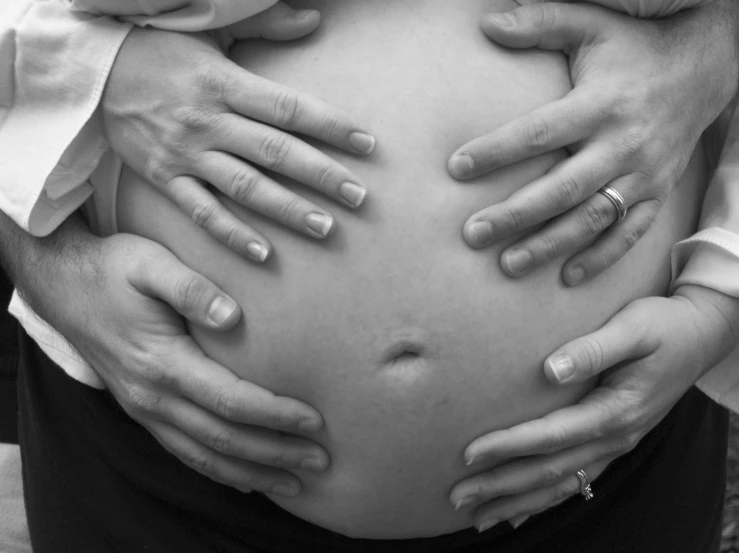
(644, 91)
(646, 357)
(182, 115)
(121, 301)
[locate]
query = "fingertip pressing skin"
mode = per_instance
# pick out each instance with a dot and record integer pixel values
(223, 312)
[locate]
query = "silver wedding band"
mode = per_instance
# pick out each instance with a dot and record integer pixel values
(585, 489)
(617, 200)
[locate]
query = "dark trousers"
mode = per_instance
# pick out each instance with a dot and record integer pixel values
(95, 481)
(9, 357)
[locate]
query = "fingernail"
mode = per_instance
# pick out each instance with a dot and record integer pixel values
(362, 142)
(517, 261)
(285, 490)
(319, 224)
(576, 274)
(518, 521)
(480, 233)
(472, 460)
(220, 310)
(562, 367)
(312, 463)
(257, 251)
(305, 15)
(461, 166)
(309, 425)
(352, 194)
(469, 500)
(487, 525)
(501, 19)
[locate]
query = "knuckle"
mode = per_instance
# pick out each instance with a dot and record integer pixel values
(280, 461)
(593, 353)
(538, 133)
(567, 489)
(513, 219)
(140, 402)
(195, 119)
(594, 218)
(630, 236)
(244, 184)
(156, 170)
(203, 213)
(554, 438)
(325, 174)
(550, 473)
(287, 109)
(221, 441)
(549, 246)
(288, 210)
(190, 292)
(274, 149)
(225, 405)
(197, 461)
(566, 192)
(329, 125)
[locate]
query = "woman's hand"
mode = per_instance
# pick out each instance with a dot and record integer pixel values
(662, 346)
(183, 116)
(644, 91)
(121, 301)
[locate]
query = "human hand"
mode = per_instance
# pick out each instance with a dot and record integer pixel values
(118, 300)
(181, 114)
(647, 356)
(638, 8)
(644, 91)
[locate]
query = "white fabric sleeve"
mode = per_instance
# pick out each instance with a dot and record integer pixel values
(176, 15)
(710, 258)
(53, 67)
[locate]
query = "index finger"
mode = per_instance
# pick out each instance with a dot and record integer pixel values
(220, 391)
(283, 107)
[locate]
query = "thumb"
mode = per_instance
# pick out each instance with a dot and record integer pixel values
(621, 339)
(550, 26)
(280, 22)
(190, 294)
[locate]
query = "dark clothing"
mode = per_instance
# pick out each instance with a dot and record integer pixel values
(9, 354)
(95, 481)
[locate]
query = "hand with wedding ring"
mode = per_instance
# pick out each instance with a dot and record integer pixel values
(182, 115)
(646, 357)
(644, 91)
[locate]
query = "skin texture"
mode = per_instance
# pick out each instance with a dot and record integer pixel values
(661, 346)
(122, 303)
(180, 113)
(409, 344)
(644, 91)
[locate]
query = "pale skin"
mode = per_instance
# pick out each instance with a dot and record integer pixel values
(196, 447)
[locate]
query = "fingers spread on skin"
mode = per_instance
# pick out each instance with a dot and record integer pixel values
(282, 107)
(570, 231)
(563, 187)
(547, 26)
(192, 295)
(547, 128)
(284, 154)
(536, 501)
(259, 445)
(210, 214)
(221, 392)
(528, 474)
(242, 475)
(583, 358)
(612, 245)
(280, 22)
(248, 187)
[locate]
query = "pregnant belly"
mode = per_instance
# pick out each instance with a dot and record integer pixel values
(409, 343)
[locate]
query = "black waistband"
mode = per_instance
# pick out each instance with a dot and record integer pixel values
(120, 491)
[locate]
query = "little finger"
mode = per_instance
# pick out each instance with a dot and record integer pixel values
(251, 443)
(210, 214)
(248, 187)
(280, 106)
(506, 508)
(527, 474)
(612, 245)
(239, 474)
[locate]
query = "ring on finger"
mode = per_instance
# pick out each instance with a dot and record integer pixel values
(585, 489)
(617, 200)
